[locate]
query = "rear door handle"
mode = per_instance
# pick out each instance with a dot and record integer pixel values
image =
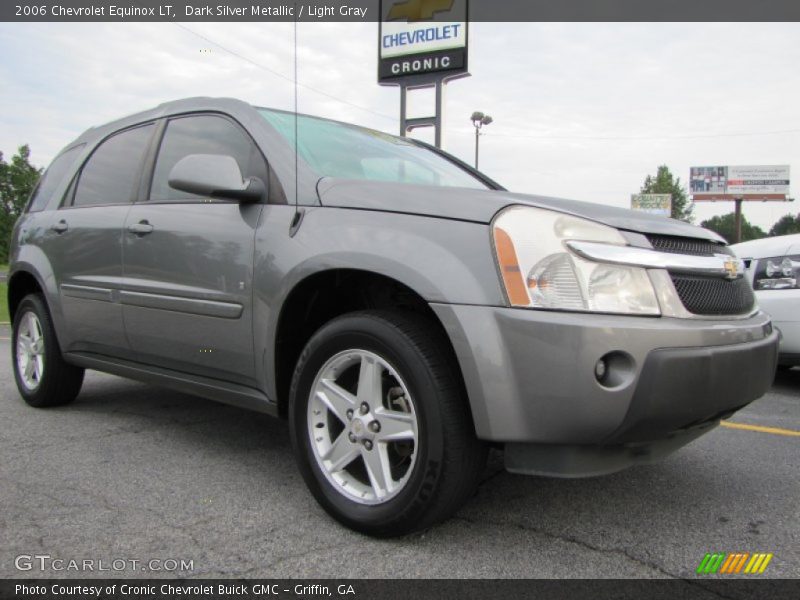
(141, 228)
(60, 227)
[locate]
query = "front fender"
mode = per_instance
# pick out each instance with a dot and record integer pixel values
(444, 261)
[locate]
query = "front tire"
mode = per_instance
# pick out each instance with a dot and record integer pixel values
(380, 424)
(43, 378)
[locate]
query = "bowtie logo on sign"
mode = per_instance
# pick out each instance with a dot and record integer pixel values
(418, 10)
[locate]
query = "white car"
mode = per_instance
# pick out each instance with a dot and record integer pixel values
(773, 267)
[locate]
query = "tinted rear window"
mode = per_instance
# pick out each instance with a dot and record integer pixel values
(112, 172)
(59, 169)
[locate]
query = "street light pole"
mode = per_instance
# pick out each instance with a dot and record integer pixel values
(479, 120)
(477, 133)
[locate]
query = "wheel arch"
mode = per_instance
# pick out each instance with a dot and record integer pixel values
(21, 283)
(30, 264)
(325, 295)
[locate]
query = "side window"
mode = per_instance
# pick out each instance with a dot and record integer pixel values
(52, 178)
(111, 175)
(203, 134)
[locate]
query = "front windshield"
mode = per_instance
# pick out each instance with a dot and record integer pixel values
(346, 151)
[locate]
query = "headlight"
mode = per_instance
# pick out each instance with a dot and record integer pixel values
(539, 271)
(777, 273)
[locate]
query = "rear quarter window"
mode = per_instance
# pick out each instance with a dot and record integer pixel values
(53, 177)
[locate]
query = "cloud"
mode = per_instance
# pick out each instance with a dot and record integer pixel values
(581, 110)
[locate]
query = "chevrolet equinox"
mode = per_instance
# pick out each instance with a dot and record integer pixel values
(403, 311)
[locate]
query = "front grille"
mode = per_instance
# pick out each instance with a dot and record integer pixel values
(682, 245)
(713, 295)
(705, 295)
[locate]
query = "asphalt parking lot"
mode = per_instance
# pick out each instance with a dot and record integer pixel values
(135, 472)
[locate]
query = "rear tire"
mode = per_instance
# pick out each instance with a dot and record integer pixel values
(380, 423)
(43, 378)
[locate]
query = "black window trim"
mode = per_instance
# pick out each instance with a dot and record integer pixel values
(68, 202)
(149, 173)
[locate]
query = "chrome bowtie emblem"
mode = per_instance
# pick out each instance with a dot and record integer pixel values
(732, 269)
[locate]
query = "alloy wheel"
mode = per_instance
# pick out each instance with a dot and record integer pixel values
(363, 426)
(30, 351)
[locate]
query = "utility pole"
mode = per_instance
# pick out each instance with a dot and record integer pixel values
(737, 220)
(479, 120)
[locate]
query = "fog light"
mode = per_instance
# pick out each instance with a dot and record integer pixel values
(600, 369)
(615, 370)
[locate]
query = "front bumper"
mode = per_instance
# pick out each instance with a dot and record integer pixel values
(530, 374)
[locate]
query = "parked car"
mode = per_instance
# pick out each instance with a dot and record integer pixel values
(773, 268)
(401, 309)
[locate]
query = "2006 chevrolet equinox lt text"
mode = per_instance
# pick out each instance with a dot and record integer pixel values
(402, 310)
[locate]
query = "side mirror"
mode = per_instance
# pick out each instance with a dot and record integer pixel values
(215, 175)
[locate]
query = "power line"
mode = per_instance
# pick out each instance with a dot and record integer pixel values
(284, 77)
(636, 137)
(493, 134)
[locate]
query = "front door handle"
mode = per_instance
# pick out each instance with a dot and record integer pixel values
(60, 227)
(141, 228)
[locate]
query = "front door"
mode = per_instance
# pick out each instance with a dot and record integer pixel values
(188, 261)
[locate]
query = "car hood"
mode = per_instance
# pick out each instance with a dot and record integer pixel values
(481, 206)
(783, 245)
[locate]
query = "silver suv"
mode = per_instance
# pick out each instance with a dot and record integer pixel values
(402, 310)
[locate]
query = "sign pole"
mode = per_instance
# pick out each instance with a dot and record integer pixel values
(438, 82)
(738, 219)
(436, 120)
(403, 126)
(439, 118)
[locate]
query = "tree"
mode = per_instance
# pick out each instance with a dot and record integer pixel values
(785, 225)
(665, 183)
(725, 226)
(17, 180)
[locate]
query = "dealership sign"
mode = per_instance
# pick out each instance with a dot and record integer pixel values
(751, 182)
(421, 37)
(654, 204)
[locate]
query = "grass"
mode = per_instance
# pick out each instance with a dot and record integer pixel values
(3, 302)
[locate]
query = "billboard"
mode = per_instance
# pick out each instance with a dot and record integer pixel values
(654, 204)
(749, 182)
(421, 37)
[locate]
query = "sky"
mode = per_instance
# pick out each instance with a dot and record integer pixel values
(581, 110)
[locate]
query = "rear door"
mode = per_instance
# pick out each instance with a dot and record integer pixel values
(188, 260)
(84, 242)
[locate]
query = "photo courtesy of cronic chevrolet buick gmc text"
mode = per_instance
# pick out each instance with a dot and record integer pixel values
(403, 311)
